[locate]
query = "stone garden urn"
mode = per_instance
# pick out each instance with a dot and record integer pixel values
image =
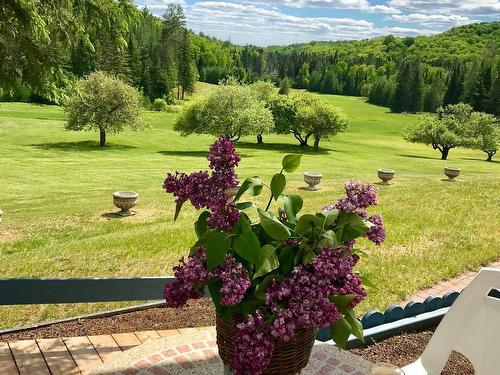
(451, 173)
(385, 175)
(125, 200)
(312, 179)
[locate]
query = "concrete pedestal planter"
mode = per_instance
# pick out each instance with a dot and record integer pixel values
(312, 179)
(451, 173)
(125, 200)
(385, 175)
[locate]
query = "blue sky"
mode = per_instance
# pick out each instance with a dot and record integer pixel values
(294, 21)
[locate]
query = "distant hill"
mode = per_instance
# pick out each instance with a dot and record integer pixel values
(461, 64)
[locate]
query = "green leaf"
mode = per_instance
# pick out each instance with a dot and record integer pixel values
(331, 216)
(278, 183)
(366, 281)
(350, 226)
(342, 300)
(356, 326)
(286, 259)
(272, 226)
(217, 245)
(329, 237)
(200, 226)
(260, 289)
(215, 294)
(292, 205)
(308, 255)
(340, 332)
(178, 208)
(268, 261)
(247, 246)
(307, 222)
(242, 225)
(291, 162)
(361, 253)
(244, 205)
(252, 186)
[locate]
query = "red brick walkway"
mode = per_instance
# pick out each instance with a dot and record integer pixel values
(456, 284)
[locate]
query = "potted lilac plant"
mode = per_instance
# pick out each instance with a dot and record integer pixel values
(276, 280)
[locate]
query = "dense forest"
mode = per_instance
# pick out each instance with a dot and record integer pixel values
(48, 45)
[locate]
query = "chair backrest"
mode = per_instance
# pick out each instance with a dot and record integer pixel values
(471, 327)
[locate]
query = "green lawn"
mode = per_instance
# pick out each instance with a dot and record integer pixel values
(55, 191)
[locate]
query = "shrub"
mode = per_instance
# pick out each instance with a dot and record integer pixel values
(159, 105)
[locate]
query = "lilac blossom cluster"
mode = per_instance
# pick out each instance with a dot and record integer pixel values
(192, 276)
(254, 349)
(235, 281)
(301, 300)
(358, 198)
(210, 191)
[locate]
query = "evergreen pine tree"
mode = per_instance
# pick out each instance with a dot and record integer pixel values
(302, 81)
(455, 86)
(185, 66)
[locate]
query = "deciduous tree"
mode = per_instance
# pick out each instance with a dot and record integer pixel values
(104, 103)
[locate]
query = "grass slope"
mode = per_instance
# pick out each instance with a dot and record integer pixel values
(55, 191)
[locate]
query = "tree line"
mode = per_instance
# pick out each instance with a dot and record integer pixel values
(49, 45)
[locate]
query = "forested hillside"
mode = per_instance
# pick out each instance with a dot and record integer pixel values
(421, 73)
(48, 45)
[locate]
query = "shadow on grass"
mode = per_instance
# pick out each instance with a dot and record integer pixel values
(194, 154)
(419, 157)
(184, 153)
(477, 159)
(282, 147)
(79, 146)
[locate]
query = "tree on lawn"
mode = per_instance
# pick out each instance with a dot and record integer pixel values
(264, 91)
(445, 130)
(322, 120)
(104, 103)
(484, 134)
(284, 109)
(229, 109)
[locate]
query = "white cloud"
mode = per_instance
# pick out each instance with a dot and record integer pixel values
(432, 19)
(270, 22)
(476, 7)
(362, 5)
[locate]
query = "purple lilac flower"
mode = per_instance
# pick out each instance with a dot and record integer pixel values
(210, 191)
(253, 348)
(191, 278)
(376, 233)
(302, 299)
(235, 281)
(358, 197)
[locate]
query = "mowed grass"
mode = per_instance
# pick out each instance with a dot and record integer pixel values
(56, 186)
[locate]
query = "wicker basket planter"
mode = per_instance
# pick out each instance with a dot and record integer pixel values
(288, 357)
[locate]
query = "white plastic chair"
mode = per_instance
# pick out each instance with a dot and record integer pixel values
(471, 327)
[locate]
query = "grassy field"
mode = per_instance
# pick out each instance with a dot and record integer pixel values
(55, 191)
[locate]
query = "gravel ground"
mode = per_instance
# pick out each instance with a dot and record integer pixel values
(400, 350)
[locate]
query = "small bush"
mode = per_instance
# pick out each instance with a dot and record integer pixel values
(159, 105)
(174, 108)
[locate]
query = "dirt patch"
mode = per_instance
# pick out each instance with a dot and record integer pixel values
(198, 313)
(406, 348)
(9, 235)
(142, 214)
